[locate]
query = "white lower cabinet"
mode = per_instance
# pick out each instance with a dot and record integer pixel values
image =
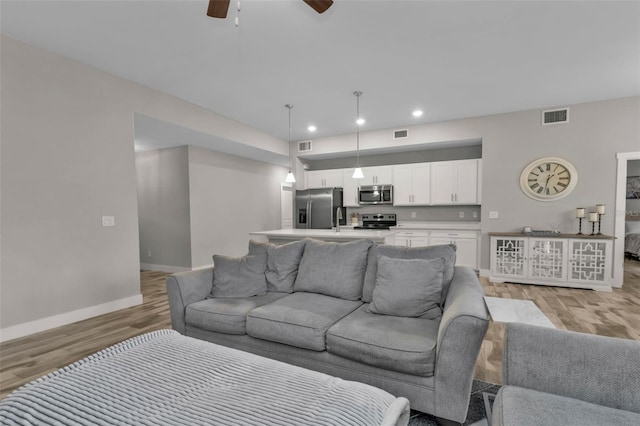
(412, 239)
(561, 261)
(466, 243)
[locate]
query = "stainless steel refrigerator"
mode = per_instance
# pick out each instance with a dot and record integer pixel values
(317, 208)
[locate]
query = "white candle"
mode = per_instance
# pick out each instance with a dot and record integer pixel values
(600, 208)
(580, 212)
(593, 217)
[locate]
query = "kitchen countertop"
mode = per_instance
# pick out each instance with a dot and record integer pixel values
(467, 226)
(325, 234)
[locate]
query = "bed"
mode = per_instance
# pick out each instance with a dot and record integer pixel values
(632, 237)
(165, 378)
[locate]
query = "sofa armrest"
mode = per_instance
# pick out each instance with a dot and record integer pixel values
(462, 329)
(597, 369)
(185, 288)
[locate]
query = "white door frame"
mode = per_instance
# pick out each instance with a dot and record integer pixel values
(619, 215)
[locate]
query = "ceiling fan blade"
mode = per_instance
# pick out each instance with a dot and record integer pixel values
(319, 5)
(218, 8)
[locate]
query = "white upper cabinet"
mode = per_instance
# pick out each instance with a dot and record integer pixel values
(411, 184)
(350, 189)
(454, 182)
(379, 175)
(324, 178)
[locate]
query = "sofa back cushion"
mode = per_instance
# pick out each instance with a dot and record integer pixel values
(239, 276)
(446, 252)
(408, 287)
(282, 263)
(333, 269)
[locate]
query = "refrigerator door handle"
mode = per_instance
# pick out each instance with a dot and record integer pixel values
(309, 217)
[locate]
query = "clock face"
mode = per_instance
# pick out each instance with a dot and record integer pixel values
(548, 179)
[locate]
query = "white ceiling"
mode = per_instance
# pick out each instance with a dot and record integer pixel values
(452, 59)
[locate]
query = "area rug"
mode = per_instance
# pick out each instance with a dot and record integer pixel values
(477, 415)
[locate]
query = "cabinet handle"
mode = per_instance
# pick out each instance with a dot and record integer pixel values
(456, 197)
(452, 198)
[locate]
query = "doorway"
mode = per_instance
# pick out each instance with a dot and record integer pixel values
(620, 215)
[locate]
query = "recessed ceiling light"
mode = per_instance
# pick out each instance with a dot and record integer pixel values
(360, 121)
(312, 128)
(417, 113)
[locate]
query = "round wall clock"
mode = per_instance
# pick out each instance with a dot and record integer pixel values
(548, 178)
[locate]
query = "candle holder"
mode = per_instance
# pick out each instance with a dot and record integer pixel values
(600, 209)
(580, 212)
(593, 218)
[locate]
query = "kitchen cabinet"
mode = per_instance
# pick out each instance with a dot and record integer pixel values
(378, 175)
(561, 260)
(324, 178)
(454, 182)
(412, 239)
(411, 184)
(466, 243)
(350, 189)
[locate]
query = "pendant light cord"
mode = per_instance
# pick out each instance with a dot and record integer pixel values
(290, 160)
(357, 93)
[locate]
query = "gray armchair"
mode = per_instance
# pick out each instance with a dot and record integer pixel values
(560, 377)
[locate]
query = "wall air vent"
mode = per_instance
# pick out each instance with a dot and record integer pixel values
(555, 116)
(400, 134)
(304, 146)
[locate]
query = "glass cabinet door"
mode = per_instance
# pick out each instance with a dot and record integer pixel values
(547, 259)
(587, 261)
(510, 256)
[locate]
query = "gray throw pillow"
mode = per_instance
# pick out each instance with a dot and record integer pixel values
(282, 263)
(333, 269)
(239, 276)
(446, 252)
(408, 288)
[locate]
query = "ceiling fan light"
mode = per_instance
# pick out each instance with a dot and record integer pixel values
(357, 173)
(290, 178)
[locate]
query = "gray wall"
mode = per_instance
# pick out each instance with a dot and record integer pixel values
(633, 169)
(595, 133)
(67, 159)
(230, 197)
(163, 207)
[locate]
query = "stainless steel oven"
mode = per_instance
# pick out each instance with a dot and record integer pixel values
(375, 194)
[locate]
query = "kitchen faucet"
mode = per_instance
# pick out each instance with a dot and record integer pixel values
(338, 218)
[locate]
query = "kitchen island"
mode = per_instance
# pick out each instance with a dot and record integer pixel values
(282, 236)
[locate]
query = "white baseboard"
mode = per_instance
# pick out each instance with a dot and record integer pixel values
(485, 273)
(31, 327)
(163, 268)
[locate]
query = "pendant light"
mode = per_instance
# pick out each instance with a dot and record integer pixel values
(357, 173)
(290, 177)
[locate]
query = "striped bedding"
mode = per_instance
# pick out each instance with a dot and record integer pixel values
(164, 378)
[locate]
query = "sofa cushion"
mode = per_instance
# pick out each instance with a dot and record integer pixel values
(299, 319)
(239, 276)
(408, 287)
(282, 263)
(333, 269)
(447, 252)
(519, 406)
(227, 315)
(407, 345)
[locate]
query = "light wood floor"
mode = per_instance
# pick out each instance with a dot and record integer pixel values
(612, 314)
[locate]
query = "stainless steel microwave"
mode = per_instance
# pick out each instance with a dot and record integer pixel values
(375, 194)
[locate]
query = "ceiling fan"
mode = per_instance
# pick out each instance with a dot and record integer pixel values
(219, 8)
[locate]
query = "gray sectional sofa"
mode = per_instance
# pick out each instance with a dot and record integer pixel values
(560, 377)
(403, 319)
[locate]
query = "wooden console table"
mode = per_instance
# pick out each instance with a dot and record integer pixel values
(567, 260)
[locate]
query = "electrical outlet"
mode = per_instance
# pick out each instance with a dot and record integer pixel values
(413, 215)
(475, 215)
(461, 215)
(494, 214)
(149, 253)
(108, 221)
